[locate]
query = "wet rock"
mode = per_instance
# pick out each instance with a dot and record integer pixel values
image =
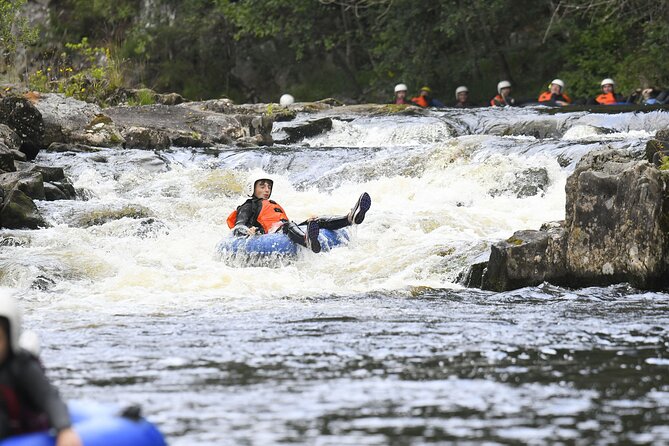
(68, 120)
(60, 147)
(19, 211)
(618, 221)
(472, 276)
(25, 119)
(7, 158)
(527, 258)
(307, 129)
(527, 183)
(150, 228)
(146, 139)
(9, 138)
(49, 173)
(30, 183)
(42, 283)
(616, 230)
(105, 215)
(193, 124)
(53, 193)
(658, 148)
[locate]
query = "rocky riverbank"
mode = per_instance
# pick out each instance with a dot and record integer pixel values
(616, 230)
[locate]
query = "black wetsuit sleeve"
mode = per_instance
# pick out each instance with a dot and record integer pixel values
(41, 393)
(247, 215)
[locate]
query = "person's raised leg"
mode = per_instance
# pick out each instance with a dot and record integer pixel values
(308, 239)
(357, 214)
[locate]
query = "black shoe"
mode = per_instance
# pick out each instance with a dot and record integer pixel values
(358, 212)
(311, 236)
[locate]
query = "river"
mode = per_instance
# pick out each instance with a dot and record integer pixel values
(374, 343)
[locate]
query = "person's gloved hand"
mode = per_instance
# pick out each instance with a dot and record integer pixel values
(242, 231)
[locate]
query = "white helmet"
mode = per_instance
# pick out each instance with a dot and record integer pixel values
(558, 82)
(460, 89)
(400, 87)
(608, 81)
(503, 84)
(286, 100)
(9, 309)
(252, 186)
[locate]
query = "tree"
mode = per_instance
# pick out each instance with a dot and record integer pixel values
(14, 31)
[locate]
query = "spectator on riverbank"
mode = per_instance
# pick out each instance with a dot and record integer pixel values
(503, 98)
(401, 95)
(425, 99)
(608, 95)
(29, 401)
(462, 97)
(555, 94)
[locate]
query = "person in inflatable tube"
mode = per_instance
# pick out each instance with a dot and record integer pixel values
(260, 215)
(29, 402)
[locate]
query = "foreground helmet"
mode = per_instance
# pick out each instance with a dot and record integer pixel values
(608, 81)
(503, 84)
(286, 100)
(252, 187)
(9, 309)
(461, 89)
(558, 82)
(400, 87)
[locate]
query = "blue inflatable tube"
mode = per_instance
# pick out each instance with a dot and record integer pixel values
(98, 426)
(275, 245)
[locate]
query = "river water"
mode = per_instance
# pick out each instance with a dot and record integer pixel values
(374, 343)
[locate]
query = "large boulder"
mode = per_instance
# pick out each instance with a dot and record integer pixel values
(30, 183)
(307, 129)
(25, 119)
(18, 211)
(616, 230)
(147, 139)
(194, 125)
(618, 221)
(56, 185)
(68, 120)
(527, 258)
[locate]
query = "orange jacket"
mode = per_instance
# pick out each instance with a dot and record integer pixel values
(498, 101)
(547, 96)
(270, 217)
(606, 99)
(420, 101)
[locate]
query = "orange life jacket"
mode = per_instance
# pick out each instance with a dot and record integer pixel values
(547, 96)
(270, 217)
(420, 101)
(498, 101)
(606, 99)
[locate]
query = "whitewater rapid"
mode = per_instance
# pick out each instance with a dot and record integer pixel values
(147, 295)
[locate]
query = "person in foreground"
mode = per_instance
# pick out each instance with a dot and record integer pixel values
(30, 403)
(260, 215)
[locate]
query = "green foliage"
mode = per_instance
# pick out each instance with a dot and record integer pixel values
(86, 73)
(143, 96)
(665, 163)
(14, 31)
(255, 50)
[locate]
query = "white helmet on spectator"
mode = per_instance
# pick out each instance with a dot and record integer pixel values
(461, 89)
(400, 87)
(608, 81)
(558, 82)
(503, 84)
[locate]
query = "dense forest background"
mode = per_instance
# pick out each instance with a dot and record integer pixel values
(353, 50)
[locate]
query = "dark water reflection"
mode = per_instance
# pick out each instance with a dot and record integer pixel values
(536, 366)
